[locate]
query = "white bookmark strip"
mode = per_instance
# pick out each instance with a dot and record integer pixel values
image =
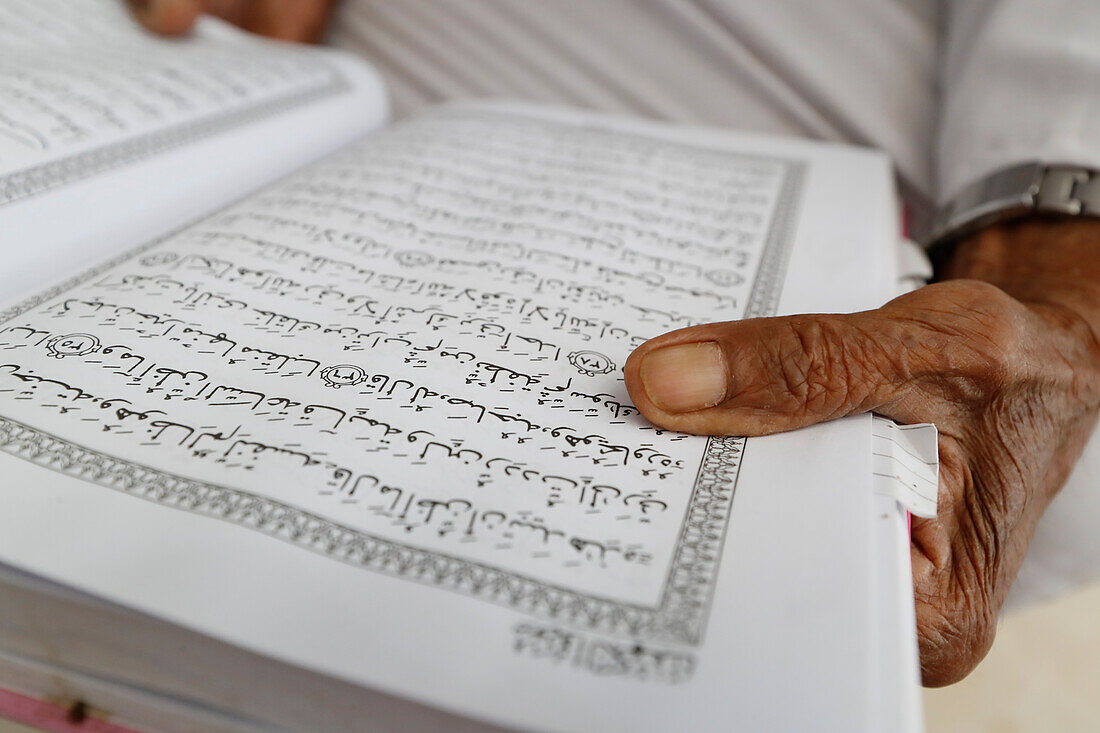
(906, 465)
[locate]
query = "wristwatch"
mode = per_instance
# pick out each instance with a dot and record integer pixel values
(1014, 192)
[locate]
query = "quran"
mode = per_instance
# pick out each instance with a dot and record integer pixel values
(314, 420)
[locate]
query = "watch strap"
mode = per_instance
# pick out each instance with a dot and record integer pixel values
(1028, 188)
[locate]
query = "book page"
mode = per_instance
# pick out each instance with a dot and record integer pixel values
(371, 420)
(131, 135)
(82, 89)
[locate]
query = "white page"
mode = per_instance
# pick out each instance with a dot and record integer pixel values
(494, 577)
(897, 698)
(110, 136)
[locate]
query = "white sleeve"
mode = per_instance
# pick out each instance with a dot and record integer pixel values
(1020, 81)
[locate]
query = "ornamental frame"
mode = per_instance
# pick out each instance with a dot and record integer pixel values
(680, 616)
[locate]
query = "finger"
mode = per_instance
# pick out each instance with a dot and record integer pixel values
(767, 375)
(168, 17)
(288, 20)
(231, 11)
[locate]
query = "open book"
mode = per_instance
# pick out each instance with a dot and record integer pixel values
(308, 422)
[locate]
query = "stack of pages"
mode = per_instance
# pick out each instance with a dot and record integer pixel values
(313, 422)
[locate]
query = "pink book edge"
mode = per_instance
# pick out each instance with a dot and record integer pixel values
(51, 717)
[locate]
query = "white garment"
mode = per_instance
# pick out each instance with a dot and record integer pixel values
(748, 65)
(1021, 81)
(951, 90)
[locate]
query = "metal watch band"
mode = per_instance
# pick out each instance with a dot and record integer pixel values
(1014, 192)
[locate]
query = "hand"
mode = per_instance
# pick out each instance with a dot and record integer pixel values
(288, 20)
(1006, 363)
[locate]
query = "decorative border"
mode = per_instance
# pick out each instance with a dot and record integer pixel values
(768, 284)
(681, 614)
(689, 589)
(37, 179)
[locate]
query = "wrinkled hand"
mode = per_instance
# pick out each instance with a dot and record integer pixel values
(1006, 363)
(287, 20)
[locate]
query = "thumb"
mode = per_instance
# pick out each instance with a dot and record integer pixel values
(768, 375)
(169, 17)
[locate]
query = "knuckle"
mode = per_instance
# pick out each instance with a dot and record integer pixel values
(991, 317)
(978, 335)
(956, 630)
